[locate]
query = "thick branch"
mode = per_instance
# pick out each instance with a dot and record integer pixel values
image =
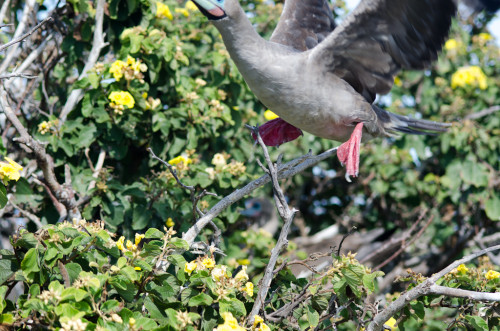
(287, 170)
(97, 45)
(425, 288)
(482, 113)
(64, 194)
(459, 293)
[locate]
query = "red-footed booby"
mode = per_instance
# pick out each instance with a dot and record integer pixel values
(323, 79)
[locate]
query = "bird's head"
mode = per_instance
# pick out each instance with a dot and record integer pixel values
(217, 9)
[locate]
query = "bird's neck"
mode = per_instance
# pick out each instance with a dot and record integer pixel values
(243, 43)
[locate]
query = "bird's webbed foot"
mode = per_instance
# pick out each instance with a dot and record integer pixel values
(277, 132)
(348, 152)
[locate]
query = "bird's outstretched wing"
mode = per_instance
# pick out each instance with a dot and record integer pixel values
(380, 37)
(303, 24)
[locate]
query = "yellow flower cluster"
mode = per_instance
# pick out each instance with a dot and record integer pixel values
(10, 170)
(119, 99)
(199, 264)
(151, 103)
(46, 126)
(162, 11)
(492, 274)
(269, 115)
(462, 269)
(469, 76)
(259, 325)
(181, 162)
(131, 69)
(129, 246)
(451, 44)
(230, 323)
(219, 160)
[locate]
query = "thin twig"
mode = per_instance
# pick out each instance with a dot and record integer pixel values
(18, 74)
(429, 287)
(97, 45)
(482, 113)
(26, 35)
(287, 215)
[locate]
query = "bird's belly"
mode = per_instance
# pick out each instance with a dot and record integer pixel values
(316, 112)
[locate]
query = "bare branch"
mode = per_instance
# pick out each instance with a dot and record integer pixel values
(287, 215)
(64, 194)
(459, 293)
(17, 74)
(482, 113)
(97, 169)
(35, 219)
(26, 35)
(424, 288)
(97, 45)
(285, 171)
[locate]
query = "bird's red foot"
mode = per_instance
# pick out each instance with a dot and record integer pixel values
(277, 132)
(348, 152)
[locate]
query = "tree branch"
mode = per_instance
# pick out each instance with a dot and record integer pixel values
(425, 287)
(285, 171)
(26, 35)
(63, 193)
(482, 113)
(97, 45)
(287, 215)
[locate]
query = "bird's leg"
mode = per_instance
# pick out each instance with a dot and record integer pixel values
(277, 132)
(348, 152)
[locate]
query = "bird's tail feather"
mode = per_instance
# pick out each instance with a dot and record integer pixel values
(393, 123)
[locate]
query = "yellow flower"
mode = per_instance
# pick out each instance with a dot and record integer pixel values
(230, 323)
(138, 268)
(44, 127)
(397, 81)
(10, 170)
(243, 261)
(117, 69)
(259, 325)
(170, 222)
(179, 159)
(120, 242)
(182, 11)
(469, 76)
(138, 238)
(269, 115)
(391, 323)
(163, 11)
(130, 246)
(208, 263)
(242, 275)
(122, 98)
(451, 44)
(190, 267)
(191, 6)
(484, 37)
(462, 269)
(491, 274)
(249, 288)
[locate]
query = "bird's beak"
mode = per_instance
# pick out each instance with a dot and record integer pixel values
(210, 9)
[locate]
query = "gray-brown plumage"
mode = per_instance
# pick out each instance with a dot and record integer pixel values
(323, 79)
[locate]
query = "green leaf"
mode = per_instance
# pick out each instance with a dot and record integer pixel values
(8, 266)
(177, 260)
(3, 196)
(474, 173)
(312, 317)
(141, 217)
(6, 319)
(234, 306)
(153, 233)
(477, 323)
(180, 243)
(29, 264)
(201, 299)
(419, 309)
(72, 293)
(492, 208)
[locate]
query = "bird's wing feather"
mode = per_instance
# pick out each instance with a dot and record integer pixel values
(303, 24)
(382, 36)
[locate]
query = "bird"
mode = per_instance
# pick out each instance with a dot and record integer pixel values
(323, 78)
